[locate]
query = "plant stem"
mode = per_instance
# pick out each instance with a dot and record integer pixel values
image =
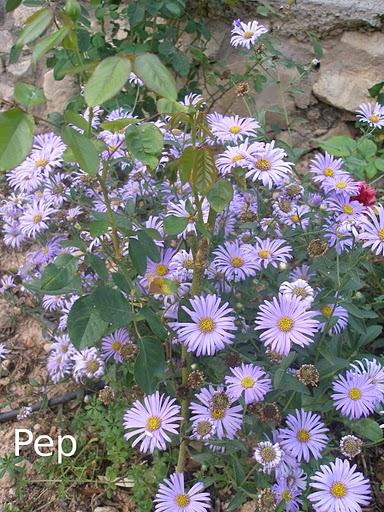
(111, 218)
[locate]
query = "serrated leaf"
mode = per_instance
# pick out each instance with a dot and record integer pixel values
(85, 327)
(137, 255)
(48, 43)
(97, 265)
(204, 171)
(16, 137)
(112, 306)
(174, 225)
(165, 106)
(107, 80)
(35, 25)
(59, 274)
(339, 145)
(155, 75)
(145, 142)
(220, 195)
(28, 95)
(119, 124)
(367, 428)
(150, 364)
(149, 246)
(83, 150)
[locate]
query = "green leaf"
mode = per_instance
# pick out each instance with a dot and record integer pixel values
(98, 227)
(112, 306)
(150, 364)
(76, 119)
(186, 163)
(339, 145)
(60, 275)
(35, 25)
(376, 89)
(48, 43)
(28, 95)
(149, 246)
(165, 106)
(97, 265)
(137, 255)
(145, 142)
(204, 170)
(155, 75)
(372, 332)
(358, 312)
(16, 136)
(107, 80)
(174, 225)
(316, 45)
(220, 195)
(83, 150)
(367, 428)
(366, 147)
(118, 124)
(11, 5)
(379, 164)
(85, 327)
(154, 322)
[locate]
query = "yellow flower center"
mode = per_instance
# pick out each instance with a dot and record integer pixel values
(237, 262)
(295, 218)
(303, 436)
(153, 423)
(182, 500)
(374, 118)
(341, 184)
(218, 414)
(247, 382)
(115, 202)
(264, 253)
(338, 490)
(285, 323)
(381, 234)
(328, 172)
(347, 209)
(116, 346)
(300, 292)
(326, 311)
(268, 454)
(37, 218)
(248, 34)
(237, 158)
(188, 263)
(206, 324)
(161, 269)
(263, 164)
(93, 366)
(286, 495)
(235, 129)
(354, 393)
(45, 250)
(41, 162)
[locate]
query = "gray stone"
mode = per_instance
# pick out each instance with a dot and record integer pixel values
(58, 92)
(105, 509)
(6, 41)
(21, 68)
(354, 64)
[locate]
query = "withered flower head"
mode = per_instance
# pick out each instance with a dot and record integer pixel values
(317, 248)
(308, 375)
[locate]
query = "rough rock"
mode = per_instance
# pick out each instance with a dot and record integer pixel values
(21, 68)
(6, 41)
(347, 70)
(105, 509)
(58, 92)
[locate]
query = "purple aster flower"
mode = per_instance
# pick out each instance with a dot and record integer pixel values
(293, 475)
(250, 381)
(156, 223)
(302, 272)
(324, 167)
(305, 435)
(46, 252)
(210, 328)
(271, 252)
(339, 488)
(315, 200)
(285, 321)
(192, 100)
(203, 429)
(339, 235)
(298, 217)
(233, 128)
(233, 157)
(217, 405)
(372, 229)
(25, 178)
(48, 148)
(64, 346)
(186, 209)
(24, 412)
(331, 311)
(35, 218)
(53, 302)
(73, 213)
(6, 283)
(13, 235)
(267, 165)
(182, 264)
(268, 455)
(244, 205)
(374, 369)
(355, 395)
(235, 261)
(371, 114)
(134, 79)
(172, 496)
(160, 268)
(246, 34)
(3, 352)
(58, 366)
(111, 345)
(288, 495)
(341, 184)
(87, 365)
(152, 422)
(345, 208)
(298, 288)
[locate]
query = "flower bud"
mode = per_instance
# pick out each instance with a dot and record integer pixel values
(72, 9)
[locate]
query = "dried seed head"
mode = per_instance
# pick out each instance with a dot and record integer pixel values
(135, 393)
(220, 401)
(106, 395)
(242, 89)
(350, 446)
(232, 359)
(308, 375)
(195, 379)
(266, 500)
(317, 248)
(274, 357)
(269, 413)
(129, 352)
